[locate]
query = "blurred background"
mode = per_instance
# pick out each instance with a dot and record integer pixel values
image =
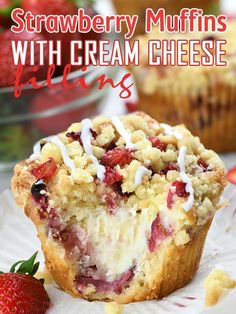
(208, 109)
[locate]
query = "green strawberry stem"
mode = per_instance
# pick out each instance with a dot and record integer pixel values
(85, 3)
(28, 267)
(6, 10)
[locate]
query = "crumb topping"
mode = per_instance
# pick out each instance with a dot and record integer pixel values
(217, 283)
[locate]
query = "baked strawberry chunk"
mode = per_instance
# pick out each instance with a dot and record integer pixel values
(180, 189)
(203, 164)
(112, 176)
(45, 171)
(158, 234)
(117, 156)
(156, 142)
(170, 166)
(105, 286)
(177, 188)
(76, 136)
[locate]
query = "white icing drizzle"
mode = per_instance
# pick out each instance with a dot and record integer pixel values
(121, 130)
(170, 131)
(184, 177)
(67, 160)
(181, 159)
(36, 151)
(86, 138)
(55, 140)
(139, 175)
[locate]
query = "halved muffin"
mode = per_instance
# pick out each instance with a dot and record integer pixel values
(122, 206)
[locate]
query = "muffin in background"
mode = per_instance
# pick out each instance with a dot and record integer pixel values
(201, 97)
(138, 7)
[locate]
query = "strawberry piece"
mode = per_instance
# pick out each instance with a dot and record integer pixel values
(104, 286)
(156, 142)
(158, 234)
(20, 292)
(170, 198)
(117, 156)
(112, 176)
(111, 201)
(46, 170)
(170, 166)
(203, 164)
(8, 69)
(177, 188)
(76, 136)
(180, 189)
(131, 106)
(231, 175)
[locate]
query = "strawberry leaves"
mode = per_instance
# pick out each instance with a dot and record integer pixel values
(27, 267)
(7, 6)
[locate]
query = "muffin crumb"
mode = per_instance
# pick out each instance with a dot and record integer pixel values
(216, 285)
(113, 308)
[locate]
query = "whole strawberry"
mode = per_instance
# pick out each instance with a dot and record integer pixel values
(55, 7)
(20, 292)
(8, 69)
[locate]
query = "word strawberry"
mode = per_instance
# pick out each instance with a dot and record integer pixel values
(20, 292)
(52, 7)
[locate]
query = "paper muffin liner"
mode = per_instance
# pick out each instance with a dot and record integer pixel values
(181, 263)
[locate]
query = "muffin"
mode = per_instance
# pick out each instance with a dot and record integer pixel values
(122, 206)
(201, 97)
(138, 7)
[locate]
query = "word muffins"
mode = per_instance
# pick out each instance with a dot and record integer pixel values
(122, 206)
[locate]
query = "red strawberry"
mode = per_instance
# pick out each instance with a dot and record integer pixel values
(180, 189)
(158, 234)
(131, 106)
(55, 99)
(117, 156)
(203, 164)
(231, 175)
(170, 166)
(55, 7)
(156, 142)
(8, 69)
(112, 176)
(20, 292)
(76, 136)
(45, 171)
